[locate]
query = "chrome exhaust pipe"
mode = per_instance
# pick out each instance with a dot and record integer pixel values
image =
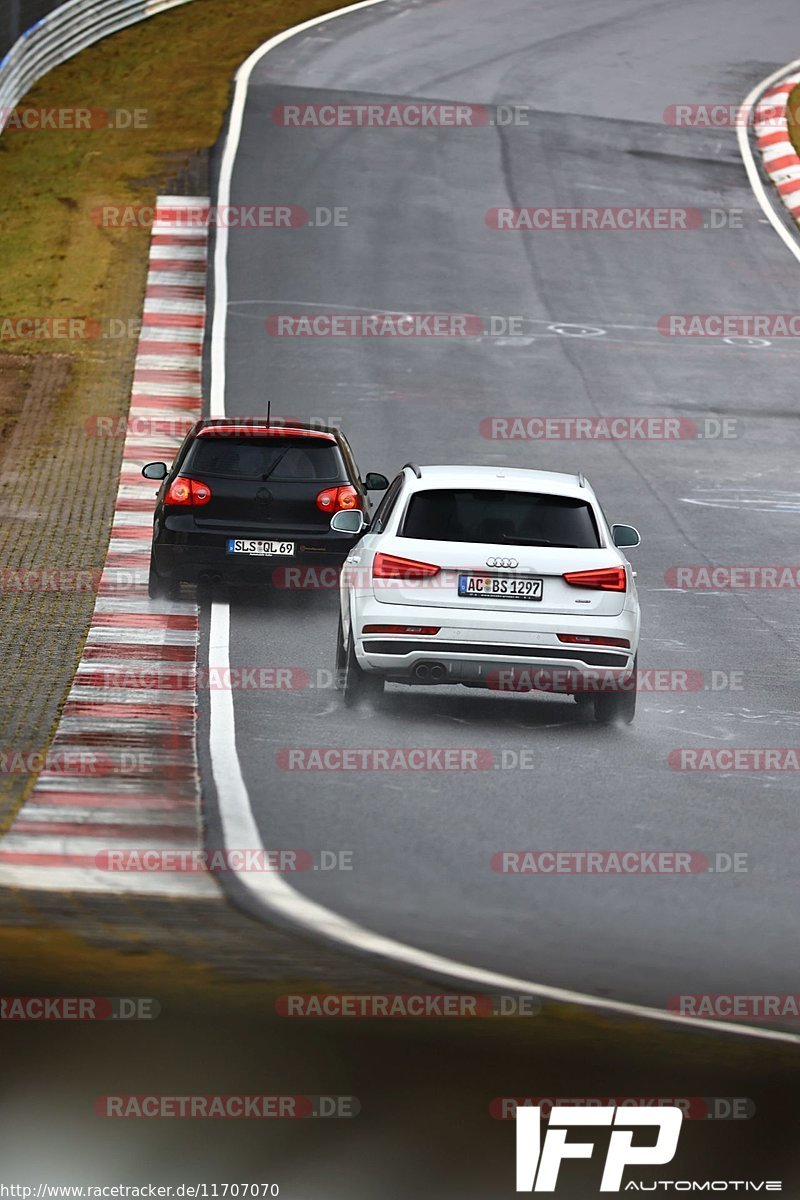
(438, 672)
(422, 672)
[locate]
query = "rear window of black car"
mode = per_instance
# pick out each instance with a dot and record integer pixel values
(284, 459)
(507, 518)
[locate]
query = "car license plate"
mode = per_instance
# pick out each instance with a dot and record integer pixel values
(501, 587)
(259, 548)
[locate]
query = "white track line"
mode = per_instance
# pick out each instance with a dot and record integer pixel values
(239, 827)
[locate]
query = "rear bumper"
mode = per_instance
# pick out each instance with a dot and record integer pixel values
(189, 556)
(518, 652)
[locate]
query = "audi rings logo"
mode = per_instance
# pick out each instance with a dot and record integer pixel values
(502, 562)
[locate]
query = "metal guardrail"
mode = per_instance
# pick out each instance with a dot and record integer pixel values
(61, 33)
(17, 15)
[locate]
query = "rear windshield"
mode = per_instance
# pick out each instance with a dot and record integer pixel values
(513, 518)
(278, 458)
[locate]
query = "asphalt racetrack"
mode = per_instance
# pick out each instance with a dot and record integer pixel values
(593, 80)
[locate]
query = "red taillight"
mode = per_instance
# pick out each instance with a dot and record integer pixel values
(426, 630)
(185, 492)
(388, 566)
(583, 639)
(608, 579)
(337, 499)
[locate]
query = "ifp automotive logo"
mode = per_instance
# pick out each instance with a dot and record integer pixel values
(539, 1159)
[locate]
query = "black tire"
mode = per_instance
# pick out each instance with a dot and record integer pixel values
(618, 708)
(357, 685)
(159, 588)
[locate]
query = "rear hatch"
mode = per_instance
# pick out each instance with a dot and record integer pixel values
(264, 484)
(481, 535)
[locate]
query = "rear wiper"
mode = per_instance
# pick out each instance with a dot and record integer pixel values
(523, 541)
(282, 455)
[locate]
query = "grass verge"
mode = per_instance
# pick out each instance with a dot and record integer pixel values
(170, 77)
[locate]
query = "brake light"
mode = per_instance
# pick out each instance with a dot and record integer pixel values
(425, 630)
(607, 579)
(338, 499)
(582, 639)
(185, 492)
(388, 566)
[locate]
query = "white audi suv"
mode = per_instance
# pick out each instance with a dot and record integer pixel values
(499, 578)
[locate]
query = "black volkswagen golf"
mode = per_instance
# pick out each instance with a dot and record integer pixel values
(244, 496)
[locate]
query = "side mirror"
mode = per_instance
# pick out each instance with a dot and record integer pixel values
(155, 471)
(625, 535)
(375, 482)
(349, 520)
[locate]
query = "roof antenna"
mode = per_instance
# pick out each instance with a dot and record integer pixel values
(269, 410)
